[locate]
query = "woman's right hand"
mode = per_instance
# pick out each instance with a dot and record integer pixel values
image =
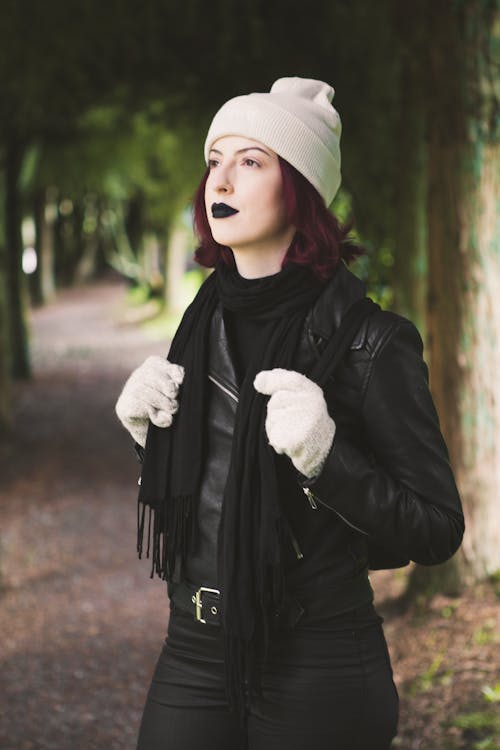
(150, 394)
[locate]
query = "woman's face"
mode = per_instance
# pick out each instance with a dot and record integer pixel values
(245, 175)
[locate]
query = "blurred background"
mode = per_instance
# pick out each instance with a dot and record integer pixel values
(104, 108)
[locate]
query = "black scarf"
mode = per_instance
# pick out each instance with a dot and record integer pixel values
(252, 525)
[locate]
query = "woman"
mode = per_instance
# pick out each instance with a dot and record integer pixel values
(265, 496)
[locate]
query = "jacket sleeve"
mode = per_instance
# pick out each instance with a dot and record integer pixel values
(404, 497)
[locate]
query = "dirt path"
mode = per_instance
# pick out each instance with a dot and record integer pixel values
(81, 621)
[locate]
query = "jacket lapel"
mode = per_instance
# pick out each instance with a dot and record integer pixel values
(220, 361)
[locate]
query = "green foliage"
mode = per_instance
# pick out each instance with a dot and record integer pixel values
(374, 267)
(342, 208)
(491, 694)
(449, 610)
(484, 634)
(368, 268)
(431, 676)
(494, 578)
(490, 743)
(475, 720)
(138, 295)
(121, 103)
(118, 157)
(164, 325)
(29, 166)
(482, 728)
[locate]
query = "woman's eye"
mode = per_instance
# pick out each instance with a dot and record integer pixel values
(212, 163)
(252, 161)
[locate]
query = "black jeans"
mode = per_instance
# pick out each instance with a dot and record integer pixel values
(326, 686)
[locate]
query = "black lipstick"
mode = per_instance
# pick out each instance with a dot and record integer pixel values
(221, 210)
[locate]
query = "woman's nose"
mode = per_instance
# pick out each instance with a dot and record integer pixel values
(223, 186)
(223, 182)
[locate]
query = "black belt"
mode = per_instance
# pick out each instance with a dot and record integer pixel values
(204, 603)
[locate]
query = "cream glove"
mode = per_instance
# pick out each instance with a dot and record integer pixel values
(297, 422)
(150, 393)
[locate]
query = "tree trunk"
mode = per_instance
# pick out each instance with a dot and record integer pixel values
(5, 363)
(478, 472)
(43, 287)
(176, 260)
(464, 270)
(410, 236)
(150, 260)
(16, 287)
(134, 221)
(86, 267)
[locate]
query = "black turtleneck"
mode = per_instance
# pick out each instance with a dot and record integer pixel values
(245, 334)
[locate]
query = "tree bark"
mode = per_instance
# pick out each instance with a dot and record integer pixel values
(464, 269)
(175, 264)
(134, 221)
(16, 287)
(409, 271)
(43, 286)
(5, 363)
(86, 267)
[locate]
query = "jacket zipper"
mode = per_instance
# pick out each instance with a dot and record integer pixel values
(223, 388)
(312, 501)
(356, 528)
(310, 497)
(298, 552)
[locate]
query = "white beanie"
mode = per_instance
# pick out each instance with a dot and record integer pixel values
(296, 120)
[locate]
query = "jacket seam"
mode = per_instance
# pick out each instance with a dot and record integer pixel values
(383, 341)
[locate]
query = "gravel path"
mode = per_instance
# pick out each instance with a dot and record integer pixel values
(82, 622)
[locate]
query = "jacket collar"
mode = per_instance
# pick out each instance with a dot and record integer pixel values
(340, 292)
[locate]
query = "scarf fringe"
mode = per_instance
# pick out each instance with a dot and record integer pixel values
(169, 535)
(244, 659)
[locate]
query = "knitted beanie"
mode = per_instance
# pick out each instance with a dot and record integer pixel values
(296, 120)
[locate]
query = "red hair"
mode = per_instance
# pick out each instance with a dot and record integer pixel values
(319, 242)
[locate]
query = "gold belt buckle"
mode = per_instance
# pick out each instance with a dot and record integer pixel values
(199, 603)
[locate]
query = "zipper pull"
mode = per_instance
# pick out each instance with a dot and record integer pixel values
(296, 547)
(298, 552)
(310, 497)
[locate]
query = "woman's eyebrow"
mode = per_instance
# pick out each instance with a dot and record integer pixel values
(242, 150)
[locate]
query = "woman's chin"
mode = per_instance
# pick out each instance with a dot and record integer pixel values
(228, 239)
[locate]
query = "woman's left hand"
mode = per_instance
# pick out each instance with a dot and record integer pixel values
(297, 422)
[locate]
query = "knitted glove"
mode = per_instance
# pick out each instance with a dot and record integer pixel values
(150, 393)
(297, 422)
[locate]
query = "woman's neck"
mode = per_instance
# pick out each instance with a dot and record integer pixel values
(258, 265)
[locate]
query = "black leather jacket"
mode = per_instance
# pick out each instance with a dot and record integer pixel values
(386, 493)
